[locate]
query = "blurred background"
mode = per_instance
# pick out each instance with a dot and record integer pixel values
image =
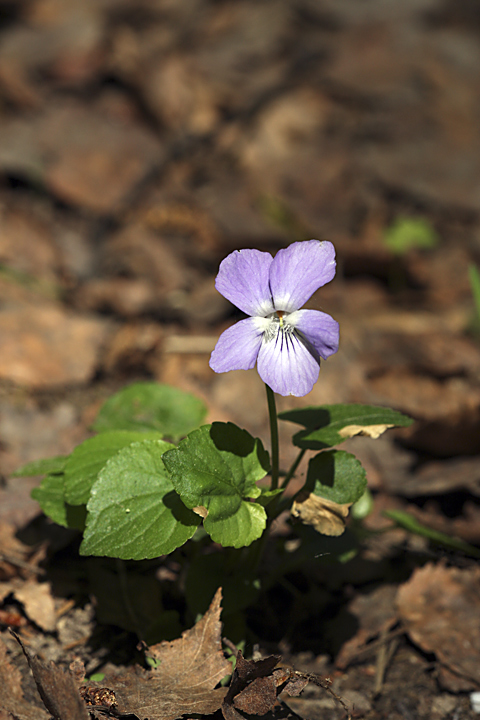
(143, 140)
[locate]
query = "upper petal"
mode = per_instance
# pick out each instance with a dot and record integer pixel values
(243, 278)
(237, 348)
(319, 328)
(298, 270)
(287, 366)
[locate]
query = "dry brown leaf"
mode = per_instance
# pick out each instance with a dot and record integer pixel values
(188, 670)
(57, 688)
(256, 684)
(12, 702)
(373, 431)
(38, 602)
(253, 687)
(440, 608)
(13, 553)
(325, 516)
(258, 697)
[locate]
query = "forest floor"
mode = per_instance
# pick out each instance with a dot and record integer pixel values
(141, 141)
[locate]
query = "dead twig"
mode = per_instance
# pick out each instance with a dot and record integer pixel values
(386, 650)
(16, 562)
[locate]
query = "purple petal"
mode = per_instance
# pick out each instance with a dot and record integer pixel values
(243, 278)
(237, 348)
(318, 328)
(299, 270)
(287, 366)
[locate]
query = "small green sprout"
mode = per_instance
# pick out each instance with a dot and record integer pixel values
(96, 677)
(405, 234)
(474, 276)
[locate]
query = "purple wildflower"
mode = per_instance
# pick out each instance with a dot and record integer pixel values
(285, 342)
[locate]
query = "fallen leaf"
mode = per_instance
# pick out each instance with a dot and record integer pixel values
(38, 602)
(325, 516)
(440, 608)
(56, 687)
(12, 702)
(258, 697)
(256, 684)
(14, 555)
(188, 669)
(373, 431)
(252, 688)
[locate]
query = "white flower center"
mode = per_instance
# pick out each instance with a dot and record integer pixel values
(278, 322)
(281, 327)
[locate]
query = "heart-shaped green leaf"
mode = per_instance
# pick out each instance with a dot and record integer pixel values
(133, 512)
(150, 406)
(46, 466)
(336, 475)
(86, 461)
(50, 496)
(215, 469)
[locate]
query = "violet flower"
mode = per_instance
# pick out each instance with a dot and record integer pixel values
(285, 342)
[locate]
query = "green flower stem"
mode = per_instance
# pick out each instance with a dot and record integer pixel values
(293, 469)
(272, 412)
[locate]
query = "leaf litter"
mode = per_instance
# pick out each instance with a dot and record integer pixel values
(183, 681)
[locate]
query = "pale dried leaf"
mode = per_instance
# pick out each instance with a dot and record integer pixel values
(325, 516)
(38, 602)
(373, 431)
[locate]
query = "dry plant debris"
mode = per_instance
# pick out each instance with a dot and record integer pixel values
(182, 682)
(326, 516)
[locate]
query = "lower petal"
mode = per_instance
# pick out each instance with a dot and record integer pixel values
(318, 328)
(237, 348)
(287, 366)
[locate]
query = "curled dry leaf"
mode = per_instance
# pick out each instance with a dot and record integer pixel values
(325, 516)
(373, 431)
(256, 685)
(253, 687)
(12, 701)
(56, 688)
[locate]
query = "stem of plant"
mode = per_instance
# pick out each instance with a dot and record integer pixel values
(293, 469)
(272, 413)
